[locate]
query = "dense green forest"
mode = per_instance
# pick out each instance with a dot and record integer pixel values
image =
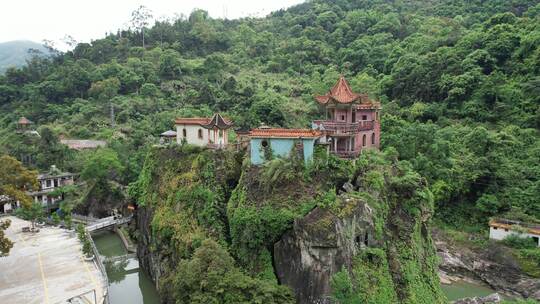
(458, 81)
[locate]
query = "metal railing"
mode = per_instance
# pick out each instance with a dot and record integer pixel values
(346, 128)
(110, 221)
(101, 267)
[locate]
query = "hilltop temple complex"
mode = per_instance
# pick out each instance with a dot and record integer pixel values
(352, 120)
(351, 125)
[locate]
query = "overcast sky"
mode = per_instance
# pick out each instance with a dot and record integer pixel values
(85, 20)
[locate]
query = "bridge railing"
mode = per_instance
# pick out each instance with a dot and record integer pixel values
(100, 266)
(110, 221)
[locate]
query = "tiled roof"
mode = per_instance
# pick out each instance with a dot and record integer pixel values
(341, 92)
(219, 122)
(192, 121)
(285, 133)
(79, 144)
(208, 122)
(512, 225)
(24, 121)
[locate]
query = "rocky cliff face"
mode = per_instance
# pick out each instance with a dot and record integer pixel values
(379, 227)
(318, 246)
(287, 225)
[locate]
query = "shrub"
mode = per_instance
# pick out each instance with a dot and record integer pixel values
(518, 242)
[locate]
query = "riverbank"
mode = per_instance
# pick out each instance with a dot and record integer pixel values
(483, 261)
(47, 267)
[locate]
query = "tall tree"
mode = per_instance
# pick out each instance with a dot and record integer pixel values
(140, 18)
(15, 179)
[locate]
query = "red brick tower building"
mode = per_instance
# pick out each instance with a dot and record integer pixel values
(352, 120)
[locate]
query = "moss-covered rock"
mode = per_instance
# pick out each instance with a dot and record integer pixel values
(380, 226)
(285, 224)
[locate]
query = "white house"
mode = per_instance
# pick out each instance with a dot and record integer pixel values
(48, 182)
(204, 132)
(499, 229)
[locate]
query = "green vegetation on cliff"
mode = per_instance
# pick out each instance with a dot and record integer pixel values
(205, 217)
(403, 267)
(185, 190)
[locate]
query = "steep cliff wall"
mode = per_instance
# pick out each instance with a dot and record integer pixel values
(204, 216)
(289, 223)
(181, 196)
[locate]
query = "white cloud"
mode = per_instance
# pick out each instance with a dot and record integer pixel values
(90, 19)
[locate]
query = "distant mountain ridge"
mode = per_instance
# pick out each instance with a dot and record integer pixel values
(15, 53)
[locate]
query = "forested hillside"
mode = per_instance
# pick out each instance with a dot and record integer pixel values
(458, 81)
(15, 53)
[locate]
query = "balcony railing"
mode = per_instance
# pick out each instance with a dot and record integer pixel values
(345, 128)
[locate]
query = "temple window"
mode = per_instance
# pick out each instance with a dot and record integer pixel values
(364, 140)
(200, 134)
(364, 117)
(264, 143)
(342, 117)
(184, 132)
(372, 138)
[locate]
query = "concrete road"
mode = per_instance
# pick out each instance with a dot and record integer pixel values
(46, 267)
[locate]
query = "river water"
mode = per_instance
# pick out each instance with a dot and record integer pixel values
(127, 282)
(462, 289)
(130, 284)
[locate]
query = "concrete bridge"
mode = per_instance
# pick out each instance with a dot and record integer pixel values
(108, 222)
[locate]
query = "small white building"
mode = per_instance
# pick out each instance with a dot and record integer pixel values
(203, 132)
(499, 229)
(48, 182)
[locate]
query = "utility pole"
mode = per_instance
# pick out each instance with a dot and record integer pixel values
(113, 124)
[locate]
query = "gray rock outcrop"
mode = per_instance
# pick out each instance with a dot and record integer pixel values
(318, 246)
(492, 265)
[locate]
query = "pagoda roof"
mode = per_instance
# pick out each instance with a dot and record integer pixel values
(342, 93)
(24, 121)
(216, 121)
(284, 133)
